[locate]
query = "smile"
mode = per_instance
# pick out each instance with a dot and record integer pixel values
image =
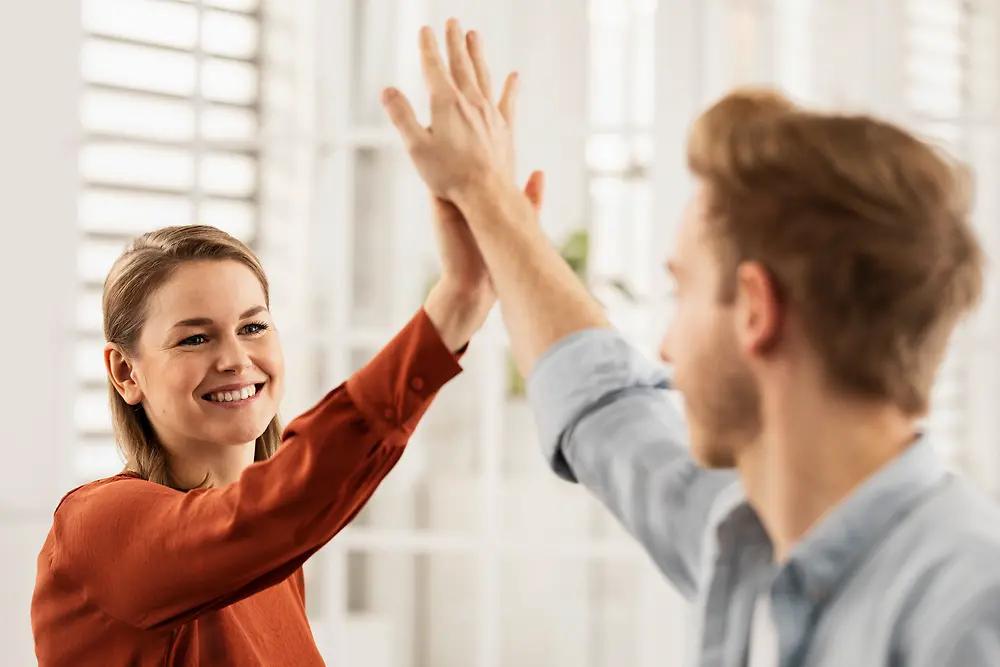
(235, 396)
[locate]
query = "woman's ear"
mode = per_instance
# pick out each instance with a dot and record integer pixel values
(122, 374)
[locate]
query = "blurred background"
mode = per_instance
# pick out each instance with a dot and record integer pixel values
(262, 117)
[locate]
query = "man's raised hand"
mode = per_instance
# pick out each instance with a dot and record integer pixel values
(469, 138)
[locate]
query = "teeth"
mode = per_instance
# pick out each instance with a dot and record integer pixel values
(232, 396)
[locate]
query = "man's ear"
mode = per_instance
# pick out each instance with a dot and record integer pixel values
(759, 308)
(122, 374)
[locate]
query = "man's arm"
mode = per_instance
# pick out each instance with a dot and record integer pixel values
(605, 421)
(541, 298)
(603, 414)
(965, 634)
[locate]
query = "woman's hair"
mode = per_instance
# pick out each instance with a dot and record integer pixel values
(146, 265)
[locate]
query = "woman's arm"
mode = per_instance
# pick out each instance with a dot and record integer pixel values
(152, 556)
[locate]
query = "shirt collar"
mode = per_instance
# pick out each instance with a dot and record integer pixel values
(854, 528)
(849, 531)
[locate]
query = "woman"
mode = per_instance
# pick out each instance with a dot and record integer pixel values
(193, 555)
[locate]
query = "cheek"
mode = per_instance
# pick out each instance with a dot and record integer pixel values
(174, 378)
(270, 357)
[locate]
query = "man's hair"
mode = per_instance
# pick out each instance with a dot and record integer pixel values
(863, 228)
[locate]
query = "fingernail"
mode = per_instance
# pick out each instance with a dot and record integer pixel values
(389, 94)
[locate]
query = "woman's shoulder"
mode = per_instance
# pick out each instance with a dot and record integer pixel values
(117, 490)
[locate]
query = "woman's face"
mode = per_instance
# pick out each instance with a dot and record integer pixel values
(208, 368)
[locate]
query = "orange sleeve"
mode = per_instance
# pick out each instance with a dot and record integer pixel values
(153, 557)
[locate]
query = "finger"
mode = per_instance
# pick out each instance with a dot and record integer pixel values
(508, 99)
(475, 44)
(435, 74)
(401, 114)
(462, 72)
(535, 189)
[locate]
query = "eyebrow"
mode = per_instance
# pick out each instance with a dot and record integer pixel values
(206, 321)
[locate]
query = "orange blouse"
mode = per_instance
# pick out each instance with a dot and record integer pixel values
(136, 573)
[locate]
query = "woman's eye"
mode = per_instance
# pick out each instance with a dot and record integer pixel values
(255, 328)
(191, 341)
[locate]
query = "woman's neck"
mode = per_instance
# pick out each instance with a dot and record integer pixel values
(219, 466)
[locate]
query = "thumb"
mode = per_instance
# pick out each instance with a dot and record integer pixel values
(401, 114)
(534, 190)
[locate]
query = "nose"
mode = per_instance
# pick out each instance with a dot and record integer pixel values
(233, 358)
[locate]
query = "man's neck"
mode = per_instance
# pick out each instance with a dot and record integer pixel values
(809, 458)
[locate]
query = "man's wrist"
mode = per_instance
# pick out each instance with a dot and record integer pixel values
(487, 189)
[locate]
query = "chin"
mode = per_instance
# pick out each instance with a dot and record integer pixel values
(235, 435)
(710, 451)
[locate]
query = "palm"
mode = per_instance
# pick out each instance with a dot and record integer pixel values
(460, 257)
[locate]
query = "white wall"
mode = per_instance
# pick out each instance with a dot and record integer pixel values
(39, 43)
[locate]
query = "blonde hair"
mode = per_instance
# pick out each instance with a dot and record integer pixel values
(146, 265)
(863, 228)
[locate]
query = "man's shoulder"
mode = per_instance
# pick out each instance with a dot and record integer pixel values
(943, 569)
(945, 554)
(962, 520)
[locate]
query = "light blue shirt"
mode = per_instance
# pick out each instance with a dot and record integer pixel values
(904, 573)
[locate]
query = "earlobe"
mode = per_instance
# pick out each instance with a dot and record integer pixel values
(121, 374)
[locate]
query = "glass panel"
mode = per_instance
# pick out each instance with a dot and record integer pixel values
(152, 21)
(946, 134)
(612, 214)
(947, 418)
(88, 312)
(228, 34)
(137, 67)
(608, 11)
(132, 115)
(410, 610)
(570, 612)
(91, 412)
(234, 5)
(137, 165)
(371, 58)
(795, 53)
(229, 175)
(96, 257)
(744, 41)
(97, 461)
(608, 60)
(644, 64)
(227, 81)
(238, 219)
(372, 227)
(608, 152)
(229, 124)
(89, 356)
(936, 58)
(131, 213)
(984, 65)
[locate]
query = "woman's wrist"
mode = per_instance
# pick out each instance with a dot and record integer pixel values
(457, 312)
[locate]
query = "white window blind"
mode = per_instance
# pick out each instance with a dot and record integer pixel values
(169, 111)
(937, 81)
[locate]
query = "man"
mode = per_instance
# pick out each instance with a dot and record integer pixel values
(820, 268)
